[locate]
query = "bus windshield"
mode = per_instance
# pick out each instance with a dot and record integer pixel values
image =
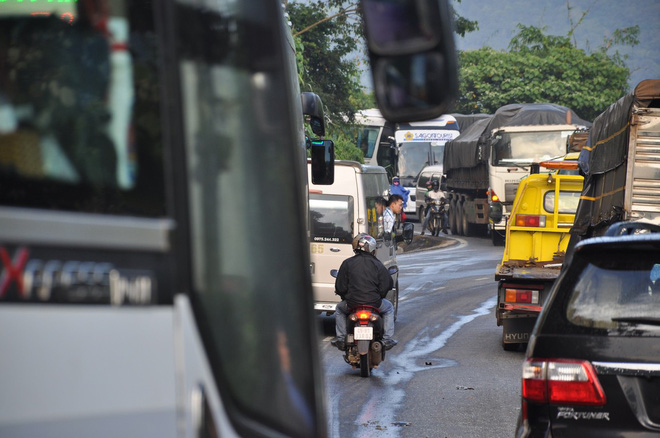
(413, 157)
(512, 148)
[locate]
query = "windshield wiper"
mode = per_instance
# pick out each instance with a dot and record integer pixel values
(650, 320)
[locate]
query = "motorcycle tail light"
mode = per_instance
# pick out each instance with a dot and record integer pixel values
(521, 296)
(363, 314)
(530, 220)
(561, 382)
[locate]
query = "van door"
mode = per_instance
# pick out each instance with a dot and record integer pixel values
(332, 219)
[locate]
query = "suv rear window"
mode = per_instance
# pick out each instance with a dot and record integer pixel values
(617, 289)
(331, 217)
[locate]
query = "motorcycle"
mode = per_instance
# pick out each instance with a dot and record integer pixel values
(438, 214)
(364, 336)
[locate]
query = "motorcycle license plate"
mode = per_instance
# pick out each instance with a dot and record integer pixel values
(363, 333)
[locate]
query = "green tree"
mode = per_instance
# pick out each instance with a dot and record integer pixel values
(330, 50)
(542, 68)
(327, 69)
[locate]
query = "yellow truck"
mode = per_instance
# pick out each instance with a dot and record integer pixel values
(537, 235)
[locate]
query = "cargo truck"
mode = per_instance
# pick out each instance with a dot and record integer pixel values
(484, 165)
(621, 163)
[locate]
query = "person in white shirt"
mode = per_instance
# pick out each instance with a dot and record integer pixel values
(394, 207)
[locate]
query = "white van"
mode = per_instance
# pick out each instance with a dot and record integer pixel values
(337, 213)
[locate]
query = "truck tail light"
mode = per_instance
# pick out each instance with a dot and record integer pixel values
(561, 382)
(521, 296)
(530, 220)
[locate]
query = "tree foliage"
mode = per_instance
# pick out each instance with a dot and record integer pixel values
(542, 68)
(330, 49)
(327, 69)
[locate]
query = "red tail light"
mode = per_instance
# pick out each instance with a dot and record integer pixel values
(561, 382)
(363, 314)
(521, 296)
(530, 220)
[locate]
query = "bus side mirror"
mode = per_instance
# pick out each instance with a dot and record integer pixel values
(313, 107)
(323, 162)
(413, 57)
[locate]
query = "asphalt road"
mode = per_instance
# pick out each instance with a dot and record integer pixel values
(449, 376)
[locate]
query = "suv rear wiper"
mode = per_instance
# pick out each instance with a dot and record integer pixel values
(650, 320)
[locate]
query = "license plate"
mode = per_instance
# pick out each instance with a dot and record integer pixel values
(363, 333)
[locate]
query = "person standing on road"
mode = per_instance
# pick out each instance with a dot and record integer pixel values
(363, 280)
(394, 207)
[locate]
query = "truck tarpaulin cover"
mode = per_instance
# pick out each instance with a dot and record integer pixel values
(470, 148)
(466, 120)
(603, 159)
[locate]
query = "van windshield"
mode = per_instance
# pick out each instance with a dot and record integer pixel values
(331, 218)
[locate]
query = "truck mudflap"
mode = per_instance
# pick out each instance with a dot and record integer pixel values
(516, 331)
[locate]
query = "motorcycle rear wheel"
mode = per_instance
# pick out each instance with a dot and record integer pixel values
(365, 369)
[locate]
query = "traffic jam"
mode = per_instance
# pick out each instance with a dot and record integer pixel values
(143, 294)
(578, 285)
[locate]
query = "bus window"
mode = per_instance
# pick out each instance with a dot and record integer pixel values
(253, 295)
(367, 138)
(66, 84)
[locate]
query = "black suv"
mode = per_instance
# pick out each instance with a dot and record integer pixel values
(592, 367)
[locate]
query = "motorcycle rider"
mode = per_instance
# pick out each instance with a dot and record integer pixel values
(363, 280)
(433, 194)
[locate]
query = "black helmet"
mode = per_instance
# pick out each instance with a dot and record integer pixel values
(364, 242)
(436, 184)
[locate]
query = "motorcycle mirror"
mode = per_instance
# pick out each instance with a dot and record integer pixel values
(334, 272)
(408, 231)
(393, 270)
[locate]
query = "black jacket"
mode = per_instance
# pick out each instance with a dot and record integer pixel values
(363, 279)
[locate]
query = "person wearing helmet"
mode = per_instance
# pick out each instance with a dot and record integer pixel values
(397, 189)
(433, 194)
(363, 280)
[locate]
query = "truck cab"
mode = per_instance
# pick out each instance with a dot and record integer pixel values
(537, 236)
(338, 212)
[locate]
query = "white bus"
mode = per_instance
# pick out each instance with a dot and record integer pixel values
(404, 149)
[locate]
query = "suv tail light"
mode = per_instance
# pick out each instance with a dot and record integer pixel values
(561, 382)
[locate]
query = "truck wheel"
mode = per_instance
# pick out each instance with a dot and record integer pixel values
(452, 218)
(466, 225)
(459, 218)
(498, 239)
